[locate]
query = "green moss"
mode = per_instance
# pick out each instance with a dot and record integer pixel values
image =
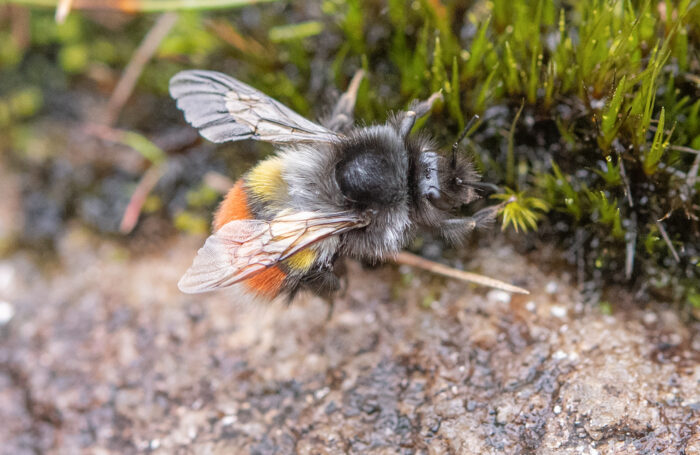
(427, 301)
(521, 212)
(191, 223)
(189, 38)
(25, 102)
(10, 53)
(203, 196)
(74, 58)
(295, 31)
(152, 204)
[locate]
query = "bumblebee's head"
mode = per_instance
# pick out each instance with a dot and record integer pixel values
(445, 183)
(456, 181)
(440, 184)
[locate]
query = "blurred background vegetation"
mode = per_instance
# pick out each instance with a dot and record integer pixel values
(589, 114)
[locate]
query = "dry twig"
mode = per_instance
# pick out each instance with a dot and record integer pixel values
(62, 10)
(138, 198)
(681, 148)
(138, 61)
(667, 239)
(412, 260)
(228, 33)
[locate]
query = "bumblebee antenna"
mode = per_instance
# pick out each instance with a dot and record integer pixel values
(483, 186)
(462, 135)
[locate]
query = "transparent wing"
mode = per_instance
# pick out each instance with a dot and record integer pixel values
(243, 248)
(224, 109)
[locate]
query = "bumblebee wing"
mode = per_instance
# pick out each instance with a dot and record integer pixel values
(243, 248)
(225, 109)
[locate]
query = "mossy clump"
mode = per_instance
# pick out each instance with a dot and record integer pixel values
(590, 120)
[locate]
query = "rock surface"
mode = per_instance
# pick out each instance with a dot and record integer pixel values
(102, 354)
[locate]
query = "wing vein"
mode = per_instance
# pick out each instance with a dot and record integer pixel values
(243, 248)
(225, 109)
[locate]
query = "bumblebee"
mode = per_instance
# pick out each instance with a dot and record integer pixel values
(331, 190)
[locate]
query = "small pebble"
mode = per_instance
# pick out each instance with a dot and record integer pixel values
(557, 409)
(558, 311)
(319, 394)
(154, 444)
(228, 420)
(674, 339)
(695, 346)
(7, 276)
(551, 287)
(504, 414)
(7, 312)
(597, 104)
(496, 295)
(559, 355)
(530, 306)
(650, 318)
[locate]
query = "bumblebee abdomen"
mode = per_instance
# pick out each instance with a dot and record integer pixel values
(236, 206)
(265, 181)
(233, 207)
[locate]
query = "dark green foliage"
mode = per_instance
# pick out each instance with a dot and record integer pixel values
(608, 92)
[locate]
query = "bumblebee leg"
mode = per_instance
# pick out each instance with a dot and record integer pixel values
(340, 270)
(327, 285)
(416, 110)
(324, 283)
(331, 306)
(423, 107)
(342, 116)
(455, 229)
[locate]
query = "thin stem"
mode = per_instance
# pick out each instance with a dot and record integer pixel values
(138, 61)
(143, 6)
(412, 260)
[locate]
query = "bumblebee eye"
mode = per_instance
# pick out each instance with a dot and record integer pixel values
(436, 200)
(433, 194)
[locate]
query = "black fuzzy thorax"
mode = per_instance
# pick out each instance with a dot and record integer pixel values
(372, 168)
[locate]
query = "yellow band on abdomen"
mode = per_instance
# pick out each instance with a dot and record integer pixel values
(265, 180)
(301, 261)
